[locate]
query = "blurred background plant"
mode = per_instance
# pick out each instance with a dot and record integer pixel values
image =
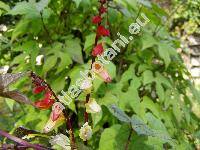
(150, 81)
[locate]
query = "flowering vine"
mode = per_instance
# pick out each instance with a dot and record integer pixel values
(59, 114)
(91, 105)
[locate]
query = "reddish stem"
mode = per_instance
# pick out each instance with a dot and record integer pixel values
(71, 133)
(20, 141)
(93, 60)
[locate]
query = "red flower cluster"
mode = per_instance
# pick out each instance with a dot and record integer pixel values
(101, 30)
(38, 89)
(46, 102)
(97, 50)
(103, 10)
(40, 86)
(96, 19)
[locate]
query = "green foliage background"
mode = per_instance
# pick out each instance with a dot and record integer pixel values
(151, 87)
(187, 17)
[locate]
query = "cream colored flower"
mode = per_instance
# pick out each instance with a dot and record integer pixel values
(92, 106)
(50, 125)
(62, 141)
(85, 132)
(39, 59)
(86, 84)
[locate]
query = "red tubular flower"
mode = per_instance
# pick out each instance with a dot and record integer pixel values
(98, 50)
(102, 31)
(45, 103)
(96, 19)
(103, 10)
(56, 110)
(38, 89)
(56, 117)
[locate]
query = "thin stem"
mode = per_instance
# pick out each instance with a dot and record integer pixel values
(86, 114)
(20, 141)
(129, 139)
(71, 133)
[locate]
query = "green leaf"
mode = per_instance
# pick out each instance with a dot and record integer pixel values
(34, 54)
(20, 8)
(132, 3)
(25, 8)
(30, 9)
(119, 114)
(20, 29)
(10, 103)
(177, 110)
(150, 105)
(107, 140)
(159, 10)
(155, 123)
(159, 129)
(42, 4)
(147, 41)
(4, 6)
(59, 83)
(96, 117)
(148, 77)
(89, 42)
(26, 46)
(128, 74)
(77, 2)
(74, 49)
(64, 63)
(142, 129)
(19, 59)
(49, 63)
(162, 79)
(108, 99)
(122, 136)
(163, 50)
(160, 91)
